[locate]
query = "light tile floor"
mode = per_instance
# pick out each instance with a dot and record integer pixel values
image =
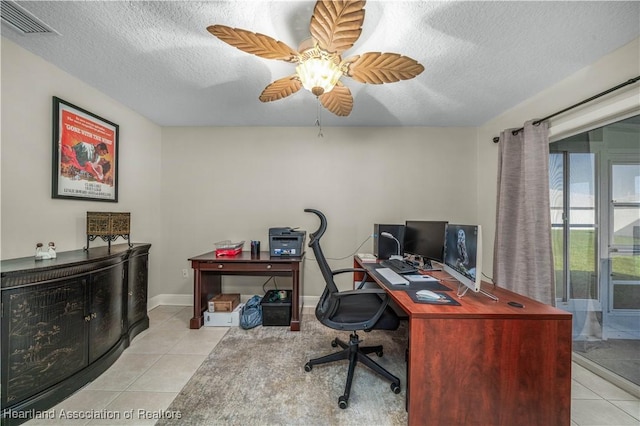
(160, 361)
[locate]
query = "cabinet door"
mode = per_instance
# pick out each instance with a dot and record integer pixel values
(106, 325)
(44, 337)
(138, 277)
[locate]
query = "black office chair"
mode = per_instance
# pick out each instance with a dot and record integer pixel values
(362, 309)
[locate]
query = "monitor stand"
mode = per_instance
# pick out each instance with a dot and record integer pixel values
(465, 289)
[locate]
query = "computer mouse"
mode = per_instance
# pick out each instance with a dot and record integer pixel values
(428, 294)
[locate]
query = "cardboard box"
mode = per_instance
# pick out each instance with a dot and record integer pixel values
(276, 310)
(224, 302)
(223, 319)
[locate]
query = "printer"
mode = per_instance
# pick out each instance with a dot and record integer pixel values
(286, 242)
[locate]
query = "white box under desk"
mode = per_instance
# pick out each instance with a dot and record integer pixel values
(223, 319)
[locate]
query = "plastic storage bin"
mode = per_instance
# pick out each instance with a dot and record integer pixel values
(275, 310)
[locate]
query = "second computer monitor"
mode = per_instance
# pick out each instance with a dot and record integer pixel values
(425, 238)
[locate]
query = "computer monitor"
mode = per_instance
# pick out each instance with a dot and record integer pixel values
(463, 254)
(425, 238)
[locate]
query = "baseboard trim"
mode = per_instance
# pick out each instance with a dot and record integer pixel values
(169, 299)
(187, 300)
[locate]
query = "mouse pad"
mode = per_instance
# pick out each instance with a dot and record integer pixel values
(450, 301)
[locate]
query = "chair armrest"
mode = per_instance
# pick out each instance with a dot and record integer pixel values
(364, 271)
(361, 291)
(342, 271)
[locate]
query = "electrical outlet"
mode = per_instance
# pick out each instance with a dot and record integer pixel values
(185, 273)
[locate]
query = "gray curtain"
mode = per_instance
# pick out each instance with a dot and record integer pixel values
(523, 261)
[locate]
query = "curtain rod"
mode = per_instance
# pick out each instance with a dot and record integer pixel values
(606, 92)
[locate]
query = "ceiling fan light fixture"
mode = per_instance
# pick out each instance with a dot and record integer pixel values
(319, 70)
(335, 26)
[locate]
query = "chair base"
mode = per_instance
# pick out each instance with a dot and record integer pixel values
(354, 353)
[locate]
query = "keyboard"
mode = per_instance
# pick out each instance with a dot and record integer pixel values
(391, 276)
(398, 266)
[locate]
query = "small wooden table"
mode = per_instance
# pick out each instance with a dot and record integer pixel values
(209, 269)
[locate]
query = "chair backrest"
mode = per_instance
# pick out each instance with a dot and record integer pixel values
(325, 306)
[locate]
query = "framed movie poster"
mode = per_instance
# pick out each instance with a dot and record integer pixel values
(85, 154)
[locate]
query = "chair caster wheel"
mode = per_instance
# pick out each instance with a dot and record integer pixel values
(395, 387)
(308, 367)
(334, 343)
(342, 402)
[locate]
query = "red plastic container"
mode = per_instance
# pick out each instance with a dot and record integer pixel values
(227, 248)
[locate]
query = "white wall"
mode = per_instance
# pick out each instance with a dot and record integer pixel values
(187, 188)
(611, 70)
(236, 183)
(190, 187)
(28, 213)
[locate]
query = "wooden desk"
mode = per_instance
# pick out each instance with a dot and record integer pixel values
(209, 269)
(485, 362)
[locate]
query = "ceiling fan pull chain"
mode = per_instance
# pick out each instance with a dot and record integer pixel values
(318, 123)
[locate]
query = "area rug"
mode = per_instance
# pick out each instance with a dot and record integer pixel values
(257, 377)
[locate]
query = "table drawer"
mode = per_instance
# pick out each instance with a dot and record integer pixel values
(245, 267)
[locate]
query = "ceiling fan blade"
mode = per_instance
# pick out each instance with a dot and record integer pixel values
(336, 25)
(254, 43)
(378, 68)
(339, 100)
(281, 89)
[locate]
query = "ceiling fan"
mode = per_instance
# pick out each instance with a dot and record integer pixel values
(335, 27)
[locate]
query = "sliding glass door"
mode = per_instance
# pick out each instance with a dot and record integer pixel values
(624, 249)
(595, 214)
(574, 222)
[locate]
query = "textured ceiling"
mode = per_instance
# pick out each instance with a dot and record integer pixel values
(480, 58)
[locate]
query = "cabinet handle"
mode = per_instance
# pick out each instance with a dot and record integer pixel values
(87, 318)
(268, 266)
(94, 315)
(220, 266)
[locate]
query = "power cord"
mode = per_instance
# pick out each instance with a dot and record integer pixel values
(490, 279)
(275, 284)
(349, 255)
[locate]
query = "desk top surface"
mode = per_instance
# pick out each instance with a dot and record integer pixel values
(472, 305)
(246, 256)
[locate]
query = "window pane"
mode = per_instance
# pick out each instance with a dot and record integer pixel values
(582, 195)
(556, 195)
(626, 296)
(583, 239)
(556, 187)
(625, 268)
(626, 183)
(557, 246)
(626, 227)
(582, 264)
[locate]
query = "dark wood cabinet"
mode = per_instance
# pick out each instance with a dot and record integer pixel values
(64, 321)
(105, 316)
(137, 319)
(43, 337)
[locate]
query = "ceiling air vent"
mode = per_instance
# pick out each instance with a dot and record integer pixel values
(22, 20)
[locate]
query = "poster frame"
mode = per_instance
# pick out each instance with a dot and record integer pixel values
(69, 180)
